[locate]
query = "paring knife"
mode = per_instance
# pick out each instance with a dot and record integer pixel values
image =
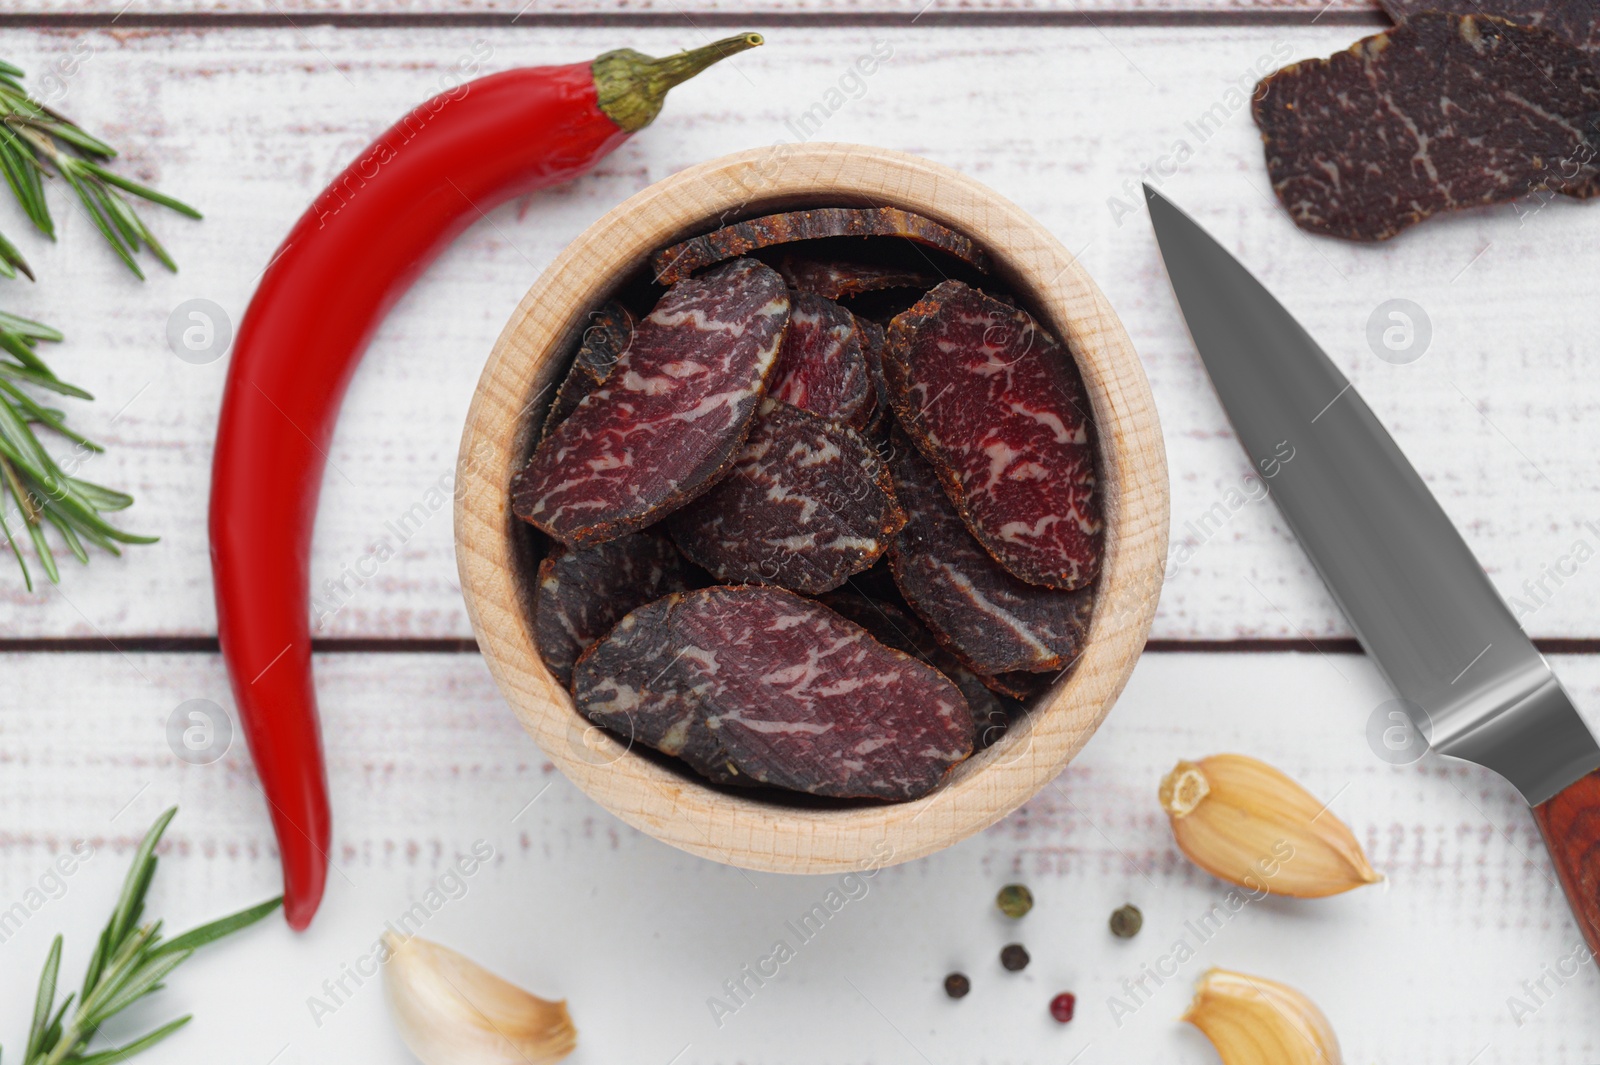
(1421, 605)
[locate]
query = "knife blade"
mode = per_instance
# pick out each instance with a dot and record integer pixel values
(1421, 605)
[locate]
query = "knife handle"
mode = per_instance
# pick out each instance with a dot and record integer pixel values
(1571, 826)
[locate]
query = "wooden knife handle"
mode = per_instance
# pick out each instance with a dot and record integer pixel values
(1571, 826)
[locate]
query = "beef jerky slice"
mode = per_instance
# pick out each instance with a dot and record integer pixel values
(679, 261)
(821, 367)
(607, 336)
(873, 338)
(1576, 20)
(671, 415)
(628, 683)
(838, 278)
(1021, 686)
(893, 627)
(584, 591)
(757, 685)
(807, 503)
(991, 620)
(996, 404)
(1440, 113)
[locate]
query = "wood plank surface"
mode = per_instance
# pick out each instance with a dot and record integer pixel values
(702, 13)
(425, 760)
(1499, 414)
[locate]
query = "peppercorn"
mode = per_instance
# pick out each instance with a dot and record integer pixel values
(1062, 1005)
(1126, 922)
(956, 985)
(1014, 957)
(1014, 900)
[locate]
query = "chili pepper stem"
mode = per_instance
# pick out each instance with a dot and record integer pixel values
(632, 86)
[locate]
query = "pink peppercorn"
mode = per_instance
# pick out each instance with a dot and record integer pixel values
(1062, 1005)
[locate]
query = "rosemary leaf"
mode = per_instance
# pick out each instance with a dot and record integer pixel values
(130, 963)
(43, 495)
(36, 141)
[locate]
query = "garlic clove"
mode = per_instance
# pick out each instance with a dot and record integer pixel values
(1252, 1021)
(1245, 822)
(452, 1011)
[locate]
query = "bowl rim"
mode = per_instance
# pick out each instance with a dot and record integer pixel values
(731, 828)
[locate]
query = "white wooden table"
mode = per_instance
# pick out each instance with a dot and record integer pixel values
(248, 108)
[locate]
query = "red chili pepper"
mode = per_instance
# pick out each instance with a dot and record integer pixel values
(345, 263)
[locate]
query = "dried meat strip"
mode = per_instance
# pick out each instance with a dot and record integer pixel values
(893, 627)
(873, 338)
(679, 261)
(821, 367)
(807, 503)
(1443, 112)
(996, 404)
(757, 685)
(583, 591)
(607, 336)
(992, 621)
(671, 416)
(1576, 20)
(839, 278)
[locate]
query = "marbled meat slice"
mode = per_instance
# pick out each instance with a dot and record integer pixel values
(807, 503)
(1440, 113)
(992, 621)
(629, 683)
(873, 338)
(784, 692)
(671, 415)
(838, 278)
(606, 337)
(1576, 20)
(821, 367)
(996, 404)
(893, 627)
(1025, 687)
(679, 261)
(583, 591)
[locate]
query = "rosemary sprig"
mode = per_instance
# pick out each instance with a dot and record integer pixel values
(37, 142)
(45, 495)
(129, 962)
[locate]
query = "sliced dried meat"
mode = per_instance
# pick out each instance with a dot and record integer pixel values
(838, 278)
(992, 621)
(681, 260)
(996, 404)
(873, 338)
(807, 503)
(1024, 687)
(583, 591)
(821, 367)
(1576, 20)
(671, 415)
(1443, 112)
(893, 627)
(606, 337)
(757, 685)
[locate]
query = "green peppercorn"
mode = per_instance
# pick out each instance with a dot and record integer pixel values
(956, 985)
(1014, 957)
(1126, 922)
(1014, 900)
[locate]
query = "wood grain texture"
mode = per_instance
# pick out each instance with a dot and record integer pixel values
(527, 361)
(425, 758)
(702, 13)
(1570, 823)
(1501, 414)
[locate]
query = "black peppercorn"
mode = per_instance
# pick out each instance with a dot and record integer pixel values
(1014, 957)
(956, 985)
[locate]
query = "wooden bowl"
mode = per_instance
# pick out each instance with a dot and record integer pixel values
(491, 551)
